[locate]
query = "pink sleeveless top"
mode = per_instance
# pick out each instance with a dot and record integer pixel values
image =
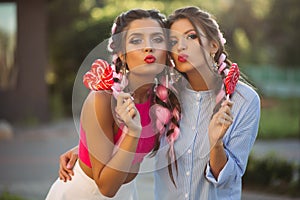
(146, 141)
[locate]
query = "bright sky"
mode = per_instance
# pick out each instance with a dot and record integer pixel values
(8, 17)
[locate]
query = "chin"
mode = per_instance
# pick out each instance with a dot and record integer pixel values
(185, 69)
(149, 69)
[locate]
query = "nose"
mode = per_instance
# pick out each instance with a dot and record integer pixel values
(148, 49)
(148, 46)
(181, 45)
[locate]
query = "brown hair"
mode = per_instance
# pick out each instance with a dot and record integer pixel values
(121, 24)
(116, 45)
(207, 22)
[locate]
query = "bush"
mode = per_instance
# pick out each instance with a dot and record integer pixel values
(272, 175)
(7, 196)
(280, 118)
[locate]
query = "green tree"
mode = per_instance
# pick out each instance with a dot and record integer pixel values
(282, 32)
(242, 31)
(258, 32)
(72, 35)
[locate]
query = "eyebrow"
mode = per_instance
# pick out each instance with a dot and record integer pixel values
(158, 33)
(134, 34)
(140, 34)
(189, 31)
(184, 32)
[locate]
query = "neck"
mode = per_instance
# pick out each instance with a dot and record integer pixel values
(140, 86)
(141, 94)
(198, 82)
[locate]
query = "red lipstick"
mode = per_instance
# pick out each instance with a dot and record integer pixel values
(150, 59)
(182, 58)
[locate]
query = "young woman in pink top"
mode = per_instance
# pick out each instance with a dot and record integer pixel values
(214, 146)
(116, 132)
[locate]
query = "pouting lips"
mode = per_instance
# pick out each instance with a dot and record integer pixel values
(149, 59)
(182, 58)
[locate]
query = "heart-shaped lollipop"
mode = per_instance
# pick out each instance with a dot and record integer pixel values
(232, 79)
(99, 77)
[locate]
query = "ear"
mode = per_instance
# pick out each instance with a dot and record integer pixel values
(214, 47)
(122, 57)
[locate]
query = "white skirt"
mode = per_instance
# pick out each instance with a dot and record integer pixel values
(83, 187)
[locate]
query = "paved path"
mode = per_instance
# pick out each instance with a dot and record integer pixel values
(287, 149)
(29, 162)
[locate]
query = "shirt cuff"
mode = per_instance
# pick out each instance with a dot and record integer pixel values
(224, 176)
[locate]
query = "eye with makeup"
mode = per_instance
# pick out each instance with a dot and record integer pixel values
(158, 39)
(154, 40)
(192, 35)
(173, 42)
(135, 40)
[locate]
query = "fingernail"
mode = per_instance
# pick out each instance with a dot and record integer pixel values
(68, 166)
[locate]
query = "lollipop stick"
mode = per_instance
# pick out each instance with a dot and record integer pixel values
(227, 97)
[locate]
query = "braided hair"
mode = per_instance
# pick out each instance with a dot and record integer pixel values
(207, 22)
(165, 83)
(116, 42)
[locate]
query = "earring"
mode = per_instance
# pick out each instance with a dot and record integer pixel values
(173, 77)
(172, 62)
(124, 80)
(123, 68)
(214, 64)
(167, 78)
(156, 84)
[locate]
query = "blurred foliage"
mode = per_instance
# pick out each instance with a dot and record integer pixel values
(280, 118)
(8, 196)
(257, 32)
(72, 35)
(282, 33)
(273, 175)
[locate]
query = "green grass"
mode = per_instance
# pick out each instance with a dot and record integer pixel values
(280, 118)
(8, 196)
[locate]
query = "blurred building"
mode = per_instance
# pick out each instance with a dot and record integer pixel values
(23, 60)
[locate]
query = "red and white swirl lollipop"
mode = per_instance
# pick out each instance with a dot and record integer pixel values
(231, 79)
(99, 77)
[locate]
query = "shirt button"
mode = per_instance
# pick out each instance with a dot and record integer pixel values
(186, 195)
(189, 151)
(193, 128)
(198, 95)
(187, 173)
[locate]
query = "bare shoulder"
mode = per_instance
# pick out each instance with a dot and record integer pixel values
(97, 122)
(98, 105)
(98, 99)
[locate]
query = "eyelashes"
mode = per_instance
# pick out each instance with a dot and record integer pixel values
(158, 40)
(190, 36)
(135, 41)
(154, 40)
(173, 43)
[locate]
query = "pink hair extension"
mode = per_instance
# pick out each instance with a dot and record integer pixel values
(162, 93)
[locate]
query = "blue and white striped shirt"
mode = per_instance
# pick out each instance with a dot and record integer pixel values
(194, 180)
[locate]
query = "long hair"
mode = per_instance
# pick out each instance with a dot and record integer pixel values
(116, 45)
(206, 22)
(121, 24)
